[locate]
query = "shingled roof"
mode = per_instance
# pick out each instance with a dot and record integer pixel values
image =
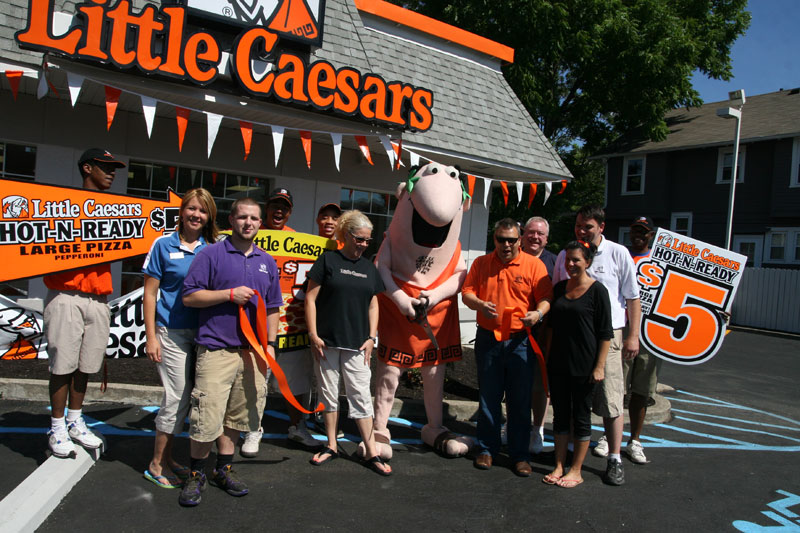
(764, 116)
(478, 120)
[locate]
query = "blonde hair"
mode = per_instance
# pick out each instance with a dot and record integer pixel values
(351, 221)
(210, 230)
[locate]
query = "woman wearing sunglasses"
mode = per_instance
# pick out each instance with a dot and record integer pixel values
(577, 345)
(342, 317)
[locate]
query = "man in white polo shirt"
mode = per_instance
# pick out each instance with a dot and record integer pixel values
(614, 268)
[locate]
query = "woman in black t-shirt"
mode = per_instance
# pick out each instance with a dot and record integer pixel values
(342, 317)
(577, 344)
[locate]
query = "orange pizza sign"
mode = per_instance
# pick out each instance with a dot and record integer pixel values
(46, 229)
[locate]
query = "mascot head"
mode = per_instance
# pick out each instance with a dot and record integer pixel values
(435, 197)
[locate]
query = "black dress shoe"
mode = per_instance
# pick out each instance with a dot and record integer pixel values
(523, 469)
(483, 461)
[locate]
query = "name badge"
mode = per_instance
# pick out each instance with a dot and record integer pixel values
(176, 255)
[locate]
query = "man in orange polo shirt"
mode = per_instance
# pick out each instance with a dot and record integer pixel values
(500, 283)
(77, 323)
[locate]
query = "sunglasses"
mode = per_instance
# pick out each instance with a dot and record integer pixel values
(361, 240)
(507, 240)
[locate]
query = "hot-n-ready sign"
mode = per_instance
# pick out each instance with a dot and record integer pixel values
(46, 229)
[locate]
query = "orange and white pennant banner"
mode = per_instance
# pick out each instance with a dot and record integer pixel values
(336, 138)
(74, 82)
(277, 141)
(42, 88)
(112, 99)
(14, 77)
(413, 158)
(398, 151)
(487, 185)
(563, 187)
(471, 185)
(305, 137)
(247, 136)
(182, 119)
(531, 194)
(149, 111)
(387, 145)
(362, 144)
(548, 188)
(504, 187)
(519, 192)
(213, 121)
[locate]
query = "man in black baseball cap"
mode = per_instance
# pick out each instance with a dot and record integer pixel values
(278, 209)
(97, 167)
(327, 216)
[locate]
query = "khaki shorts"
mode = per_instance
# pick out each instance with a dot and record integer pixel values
(176, 370)
(641, 374)
(349, 364)
(229, 386)
(77, 325)
(608, 395)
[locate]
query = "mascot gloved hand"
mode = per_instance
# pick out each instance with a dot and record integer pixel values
(420, 264)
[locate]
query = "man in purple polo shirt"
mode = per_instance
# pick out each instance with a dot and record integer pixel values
(228, 382)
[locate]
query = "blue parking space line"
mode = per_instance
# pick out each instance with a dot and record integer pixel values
(746, 430)
(736, 406)
(710, 404)
(404, 422)
(742, 421)
(704, 435)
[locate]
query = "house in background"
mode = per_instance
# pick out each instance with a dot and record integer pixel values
(683, 182)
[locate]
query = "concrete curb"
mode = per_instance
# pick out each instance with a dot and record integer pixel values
(37, 390)
(27, 506)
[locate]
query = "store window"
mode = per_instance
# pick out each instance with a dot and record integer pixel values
(624, 236)
(681, 223)
(379, 208)
(749, 245)
(633, 175)
(725, 165)
(794, 180)
(151, 180)
(17, 161)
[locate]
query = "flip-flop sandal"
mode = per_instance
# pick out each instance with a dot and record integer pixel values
(165, 482)
(373, 463)
(331, 456)
(569, 483)
(181, 471)
(550, 479)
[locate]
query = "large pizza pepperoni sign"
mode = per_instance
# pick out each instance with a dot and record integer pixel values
(686, 289)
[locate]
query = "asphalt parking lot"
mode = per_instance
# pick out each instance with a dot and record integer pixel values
(726, 461)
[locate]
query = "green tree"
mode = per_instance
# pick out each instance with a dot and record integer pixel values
(592, 71)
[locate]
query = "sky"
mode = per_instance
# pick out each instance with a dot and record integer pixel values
(766, 58)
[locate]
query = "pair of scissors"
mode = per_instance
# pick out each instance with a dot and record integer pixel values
(421, 318)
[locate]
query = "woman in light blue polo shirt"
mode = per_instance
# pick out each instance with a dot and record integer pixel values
(170, 327)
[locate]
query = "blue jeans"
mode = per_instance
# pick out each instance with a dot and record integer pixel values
(504, 367)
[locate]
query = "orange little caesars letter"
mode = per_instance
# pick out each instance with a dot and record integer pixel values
(243, 50)
(38, 33)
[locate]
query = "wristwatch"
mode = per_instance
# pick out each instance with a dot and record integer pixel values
(374, 340)
(274, 344)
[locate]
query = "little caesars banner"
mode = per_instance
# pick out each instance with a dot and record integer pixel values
(686, 287)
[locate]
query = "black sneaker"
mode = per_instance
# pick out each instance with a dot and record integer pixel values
(227, 480)
(614, 474)
(191, 494)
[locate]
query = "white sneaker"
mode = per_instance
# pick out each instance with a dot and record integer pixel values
(504, 435)
(251, 441)
(60, 443)
(601, 450)
(537, 443)
(83, 435)
(636, 452)
(300, 434)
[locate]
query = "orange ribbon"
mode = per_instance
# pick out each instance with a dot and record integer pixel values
(505, 334)
(258, 343)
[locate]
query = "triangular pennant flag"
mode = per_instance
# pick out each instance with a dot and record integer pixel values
(519, 192)
(247, 136)
(336, 138)
(398, 151)
(487, 185)
(149, 111)
(387, 145)
(548, 188)
(41, 89)
(14, 77)
(531, 194)
(504, 186)
(213, 121)
(74, 82)
(214, 176)
(362, 143)
(413, 158)
(471, 185)
(277, 141)
(172, 171)
(112, 99)
(305, 137)
(182, 119)
(563, 187)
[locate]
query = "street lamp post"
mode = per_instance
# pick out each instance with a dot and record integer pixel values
(736, 98)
